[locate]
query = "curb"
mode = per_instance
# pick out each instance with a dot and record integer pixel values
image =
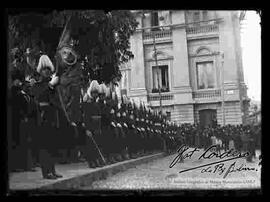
(101, 173)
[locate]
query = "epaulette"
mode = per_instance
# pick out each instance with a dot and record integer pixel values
(139, 129)
(142, 129)
(125, 125)
(119, 125)
(132, 126)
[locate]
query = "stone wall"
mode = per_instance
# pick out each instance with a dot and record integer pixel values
(183, 114)
(232, 112)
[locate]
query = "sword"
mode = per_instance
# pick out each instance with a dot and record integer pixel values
(102, 157)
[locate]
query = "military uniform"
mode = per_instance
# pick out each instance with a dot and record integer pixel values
(142, 132)
(16, 106)
(92, 120)
(150, 143)
(106, 130)
(121, 148)
(251, 145)
(132, 136)
(86, 144)
(47, 122)
(115, 146)
(125, 131)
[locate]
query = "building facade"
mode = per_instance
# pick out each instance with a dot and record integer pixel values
(192, 61)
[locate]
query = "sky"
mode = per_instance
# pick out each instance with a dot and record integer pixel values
(251, 54)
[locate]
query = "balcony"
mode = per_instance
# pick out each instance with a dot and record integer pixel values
(155, 97)
(206, 95)
(160, 36)
(202, 30)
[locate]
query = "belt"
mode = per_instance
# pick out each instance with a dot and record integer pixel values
(96, 117)
(44, 104)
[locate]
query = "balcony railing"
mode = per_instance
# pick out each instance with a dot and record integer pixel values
(162, 34)
(207, 94)
(202, 29)
(155, 97)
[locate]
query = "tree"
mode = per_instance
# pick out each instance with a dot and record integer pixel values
(101, 38)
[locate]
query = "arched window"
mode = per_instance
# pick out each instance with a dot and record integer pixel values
(205, 75)
(203, 51)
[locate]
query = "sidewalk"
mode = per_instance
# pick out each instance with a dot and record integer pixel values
(75, 175)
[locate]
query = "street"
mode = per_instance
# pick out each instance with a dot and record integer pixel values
(158, 175)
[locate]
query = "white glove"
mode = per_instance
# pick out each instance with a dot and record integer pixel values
(32, 81)
(54, 80)
(88, 133)
(17, 82)
(27, 78)
(73, 124)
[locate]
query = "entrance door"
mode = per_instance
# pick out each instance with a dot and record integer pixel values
(207, 117)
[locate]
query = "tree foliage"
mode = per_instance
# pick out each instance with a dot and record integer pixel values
(101, 39)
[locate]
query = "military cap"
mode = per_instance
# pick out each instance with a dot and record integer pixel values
(94, 87)
(44, 61)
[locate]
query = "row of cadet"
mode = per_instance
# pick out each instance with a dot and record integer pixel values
(91, 126)
(117, 130)
(122, 130)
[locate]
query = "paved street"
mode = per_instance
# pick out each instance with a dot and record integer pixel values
(158, 175)
(74, 174)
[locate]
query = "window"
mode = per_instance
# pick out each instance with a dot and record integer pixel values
(204, 14)
(160, 78)
(196, 16)
(205, 75)
(164, 18)
(200, 16)
(154, 20)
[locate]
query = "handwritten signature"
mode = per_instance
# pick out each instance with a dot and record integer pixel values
(219, 167)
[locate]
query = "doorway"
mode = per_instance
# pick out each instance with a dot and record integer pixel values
(208, 117)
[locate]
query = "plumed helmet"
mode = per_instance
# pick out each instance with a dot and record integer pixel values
(44, 61)
(94, 87)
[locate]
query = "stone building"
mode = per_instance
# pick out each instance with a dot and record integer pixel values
(196, 51)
